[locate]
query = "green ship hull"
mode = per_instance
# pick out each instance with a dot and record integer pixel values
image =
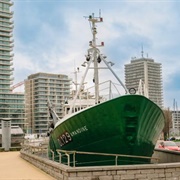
(128, 125)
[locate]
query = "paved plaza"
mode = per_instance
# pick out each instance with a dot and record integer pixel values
(13, 167)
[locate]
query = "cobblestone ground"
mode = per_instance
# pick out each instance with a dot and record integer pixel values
(13, 167)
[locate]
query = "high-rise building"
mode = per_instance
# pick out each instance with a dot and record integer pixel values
(39, 88)
(11, 104)
(176, 120)
(150, 73)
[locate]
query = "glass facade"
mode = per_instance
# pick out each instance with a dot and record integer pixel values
(11, 104)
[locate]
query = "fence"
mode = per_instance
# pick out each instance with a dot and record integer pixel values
(43, 152)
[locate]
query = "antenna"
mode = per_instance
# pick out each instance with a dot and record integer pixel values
(142, 52)
(176, 107)
(99, 12)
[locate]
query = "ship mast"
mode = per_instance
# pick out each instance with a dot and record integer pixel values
(94, 56)
(97, 58)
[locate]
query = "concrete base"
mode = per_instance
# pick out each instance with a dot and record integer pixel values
(166, 171)
(166, 156)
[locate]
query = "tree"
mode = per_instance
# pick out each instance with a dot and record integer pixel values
(168, 123)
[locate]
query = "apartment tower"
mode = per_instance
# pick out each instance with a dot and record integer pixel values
(175, 130)
(11, 104)
(150, 73)
(39, 88)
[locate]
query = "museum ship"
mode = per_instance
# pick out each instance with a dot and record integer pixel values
(128, 124)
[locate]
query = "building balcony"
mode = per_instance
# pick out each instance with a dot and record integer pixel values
(7, 2)
(6, 14)
(5, 69)
(6, 49)
(2, 82)
(6, 57)
(6, 34)
(7, 30)
(4, 88)
(7, 26)
(6, 45)
(6, 63)
(11, 82)
(12, 26)
(11, 79)
(7, 21)
(11, 41)
(6, 72)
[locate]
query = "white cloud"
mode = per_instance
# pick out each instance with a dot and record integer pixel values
(61, 40)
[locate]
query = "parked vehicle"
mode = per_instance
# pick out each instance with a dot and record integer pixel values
(169, 145)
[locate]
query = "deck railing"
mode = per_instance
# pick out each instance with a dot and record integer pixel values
(71, 155)
(61, 153)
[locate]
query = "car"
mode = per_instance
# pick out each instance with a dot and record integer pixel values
(169, 145)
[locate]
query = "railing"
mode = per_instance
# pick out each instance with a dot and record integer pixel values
(71, 155)
(61, 153)
(107, 89)
(36, 150)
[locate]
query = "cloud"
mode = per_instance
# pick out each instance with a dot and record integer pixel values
(53, 36)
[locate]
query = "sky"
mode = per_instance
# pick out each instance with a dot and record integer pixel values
(52, 36)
